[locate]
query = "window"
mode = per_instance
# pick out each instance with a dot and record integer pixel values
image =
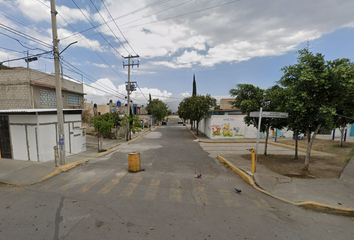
(73, 100)
(48, 98)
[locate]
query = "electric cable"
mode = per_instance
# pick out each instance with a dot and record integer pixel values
(117, 27)
(14, 31)
(96, 28)
(156, 3)
(111, 28)
(181, 15)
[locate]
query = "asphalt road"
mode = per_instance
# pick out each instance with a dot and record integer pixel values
(102, 200)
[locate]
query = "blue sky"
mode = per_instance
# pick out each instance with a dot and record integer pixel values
(222, 42)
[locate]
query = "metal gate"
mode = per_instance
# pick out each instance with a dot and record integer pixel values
(5, 143)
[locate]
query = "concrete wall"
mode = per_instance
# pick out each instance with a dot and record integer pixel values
(34, 142)
(233, 127)
(15, 90)
(18, 85)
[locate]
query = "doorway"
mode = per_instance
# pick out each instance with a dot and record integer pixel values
(5, 143)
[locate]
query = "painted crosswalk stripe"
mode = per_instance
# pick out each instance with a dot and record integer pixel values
(201, 197)
(52, 184)
(175, 192)
(95, 180)
(264, 202)
(78, 180)
(228, 198)
(152, 189)
(109, 186)
(90, 184)
(128, 191)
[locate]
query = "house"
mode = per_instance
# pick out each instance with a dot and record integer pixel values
(31, 134)
(28, 115)
(24, 88)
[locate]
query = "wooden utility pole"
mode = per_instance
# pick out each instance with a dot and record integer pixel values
(128, 86)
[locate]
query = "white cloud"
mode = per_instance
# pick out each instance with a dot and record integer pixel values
(100, 65)
(82, 42)
(186, 94)
(38, 11)
(234, 32)
(104, 90)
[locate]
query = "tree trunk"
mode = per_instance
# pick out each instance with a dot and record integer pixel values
(309, 145)
(191, 122)
(296, 145)
(197, 128)
(101, 143)
(266, 142)
(341, 136)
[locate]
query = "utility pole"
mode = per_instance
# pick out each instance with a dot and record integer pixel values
(128, 86)
(60, 116)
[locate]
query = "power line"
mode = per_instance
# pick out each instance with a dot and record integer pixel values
(14, 31)
(181, 15)
(164, 10)
(156, 3)
(118, 29)
(110, 27)
(23, 24)
(141, 92)
(96, 28)
(11, 50)
(88, 77)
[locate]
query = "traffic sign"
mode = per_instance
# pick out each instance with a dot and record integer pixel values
(270, 114)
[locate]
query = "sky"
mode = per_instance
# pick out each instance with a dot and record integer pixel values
(222, 42)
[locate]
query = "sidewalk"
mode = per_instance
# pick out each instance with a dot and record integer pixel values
(325, 195)
(24, 173)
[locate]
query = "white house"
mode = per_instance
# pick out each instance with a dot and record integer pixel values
(31, 134)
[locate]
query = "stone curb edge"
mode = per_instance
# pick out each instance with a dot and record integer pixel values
(72, 165)
(320, 207)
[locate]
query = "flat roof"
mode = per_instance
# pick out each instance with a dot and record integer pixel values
(39, 111)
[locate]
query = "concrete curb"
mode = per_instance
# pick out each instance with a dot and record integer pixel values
(271, 143)
(72, 165)
(320, 207)
(192, 133)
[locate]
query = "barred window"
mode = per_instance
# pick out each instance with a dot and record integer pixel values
(48, 98)
(73, 100)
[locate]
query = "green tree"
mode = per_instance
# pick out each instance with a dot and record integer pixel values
(342, 75)
(314, 91)
(195, 108)
(103, 124)
(249, 98)
(194, 93)
(157, 109)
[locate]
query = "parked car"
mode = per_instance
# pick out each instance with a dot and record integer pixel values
(180, 121)
(164, 123)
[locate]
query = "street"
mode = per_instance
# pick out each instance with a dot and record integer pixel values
(102, 200)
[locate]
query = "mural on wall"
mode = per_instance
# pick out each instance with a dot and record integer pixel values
(227, 131)
(216, 129)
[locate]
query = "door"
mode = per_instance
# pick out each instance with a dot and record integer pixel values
(5, 143)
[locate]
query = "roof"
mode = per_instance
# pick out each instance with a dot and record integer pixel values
(39, 111)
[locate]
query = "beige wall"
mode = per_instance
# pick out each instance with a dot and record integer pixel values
(224, 103)
(102, 109)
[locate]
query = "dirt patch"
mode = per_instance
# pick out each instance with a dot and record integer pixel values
(321, 166)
